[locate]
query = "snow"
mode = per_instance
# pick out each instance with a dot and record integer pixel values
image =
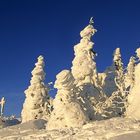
(112, 129)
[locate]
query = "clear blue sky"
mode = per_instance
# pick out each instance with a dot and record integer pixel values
(29, 28)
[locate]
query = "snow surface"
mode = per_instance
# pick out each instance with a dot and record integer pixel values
(112, 129)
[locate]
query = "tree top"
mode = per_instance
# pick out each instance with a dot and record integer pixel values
(91, 21)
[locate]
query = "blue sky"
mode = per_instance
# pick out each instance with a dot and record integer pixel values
(29, 28)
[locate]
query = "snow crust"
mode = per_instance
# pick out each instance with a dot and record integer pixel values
(112, 129)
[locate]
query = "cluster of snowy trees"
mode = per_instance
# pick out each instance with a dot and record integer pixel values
(84, 94)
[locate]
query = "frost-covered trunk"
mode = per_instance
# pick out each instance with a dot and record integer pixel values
(37, 103)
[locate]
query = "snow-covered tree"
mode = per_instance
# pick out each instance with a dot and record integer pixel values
(37, 103)
(119, 97)
(115, 104)
(119, 78)
(85, 73)
(68, 111)
(132, 110)
(2, 104)
(84, 66)
(130, 77)
(115, 79)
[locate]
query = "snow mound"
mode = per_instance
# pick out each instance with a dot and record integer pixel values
(31, 125)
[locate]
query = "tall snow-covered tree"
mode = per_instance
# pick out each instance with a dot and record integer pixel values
(120, 78)
(37, 103)
(84, 66)
(115, 104)
(119, 97)
(84, 69)
(114, 75)
(68, 111)
(130, 76)
(132, 110)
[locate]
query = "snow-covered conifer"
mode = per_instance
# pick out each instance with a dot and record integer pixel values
(85, 73)
(120, 78)
(2, 104)
(119, 97)
(130, 77)
(84, 66)
(114, 75)
(67, 112)
(37, 103)
(132, 110)
(115, 104)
